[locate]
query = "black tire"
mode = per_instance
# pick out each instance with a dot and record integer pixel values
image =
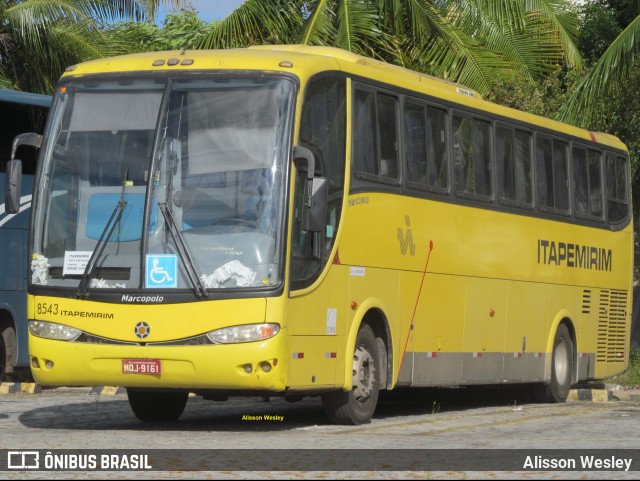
(358, 405)
(157, 406)
(557, 390)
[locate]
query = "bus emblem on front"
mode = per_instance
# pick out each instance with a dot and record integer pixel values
(142, 329)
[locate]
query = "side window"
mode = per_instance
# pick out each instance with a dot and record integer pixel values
(425, 147)
(596, 188)
(436, 140)
(415, 144)
(365, 133)
(552, 175)
(561, 175)
(472, 156)
(387, 128)
(323, 131)
(544, 167)
(375, 136)
(513, 157)
(617, 188)
(587, 192)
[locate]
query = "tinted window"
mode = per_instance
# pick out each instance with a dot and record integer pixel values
(472, 156)
(513, 156)
(617, 188)
(552, 174)
(425, 147)
(375, 141)
(587, 190)
(323, 131)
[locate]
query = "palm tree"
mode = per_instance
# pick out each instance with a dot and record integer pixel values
(40, 38)
(467, 41)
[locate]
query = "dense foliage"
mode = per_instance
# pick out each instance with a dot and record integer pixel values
(40, 38)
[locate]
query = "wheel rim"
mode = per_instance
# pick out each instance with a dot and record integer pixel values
(561, 362)
(363, 374)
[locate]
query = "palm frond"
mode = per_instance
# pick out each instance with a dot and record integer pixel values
(615, 65)
(357, 26)
(258, 22)
(319, 28)
(451, 53)
(561, 15)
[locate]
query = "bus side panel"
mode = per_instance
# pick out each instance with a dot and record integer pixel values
(379, 290)
(484, 330)
(438, 330)
(14, 241)
(314, 361)
(13, 291)
(317, 323)
(527, 332)
(11, 260)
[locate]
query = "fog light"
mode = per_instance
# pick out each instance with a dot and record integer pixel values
(265, 366)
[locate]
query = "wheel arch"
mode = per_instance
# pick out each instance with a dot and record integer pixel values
(371, 313)
(563, 317)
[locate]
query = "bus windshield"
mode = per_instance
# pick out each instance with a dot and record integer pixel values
(155, 184)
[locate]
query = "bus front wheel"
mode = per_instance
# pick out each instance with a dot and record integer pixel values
(561, 369)
(157, 406)
(358, 405)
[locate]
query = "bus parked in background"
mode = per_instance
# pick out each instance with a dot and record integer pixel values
(19, 112)
(292, 220)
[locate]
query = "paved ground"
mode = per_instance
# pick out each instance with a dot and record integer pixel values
(76, 418)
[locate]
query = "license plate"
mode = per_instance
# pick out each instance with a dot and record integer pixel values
(141, 366)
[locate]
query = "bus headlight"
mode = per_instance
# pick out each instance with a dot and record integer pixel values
(244, 333)
(51, 330)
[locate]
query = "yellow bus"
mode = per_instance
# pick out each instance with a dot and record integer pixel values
(295, 221)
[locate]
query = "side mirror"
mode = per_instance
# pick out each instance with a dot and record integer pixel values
(28, 139)
(315, 193)
(315, 204)
(13, 181)
(13, 178)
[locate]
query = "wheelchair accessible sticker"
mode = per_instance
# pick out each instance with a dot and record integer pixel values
(162, 271)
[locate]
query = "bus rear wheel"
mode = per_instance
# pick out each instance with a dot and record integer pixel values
(157, 406)
(558, 388)
(358, 405)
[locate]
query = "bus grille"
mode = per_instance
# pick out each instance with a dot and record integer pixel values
(612, 319)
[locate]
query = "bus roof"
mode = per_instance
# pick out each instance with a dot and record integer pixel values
(308, 60)
(25, 98)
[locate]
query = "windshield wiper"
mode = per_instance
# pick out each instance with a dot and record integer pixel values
(110, 226)
(87, 275)
(183, 250)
